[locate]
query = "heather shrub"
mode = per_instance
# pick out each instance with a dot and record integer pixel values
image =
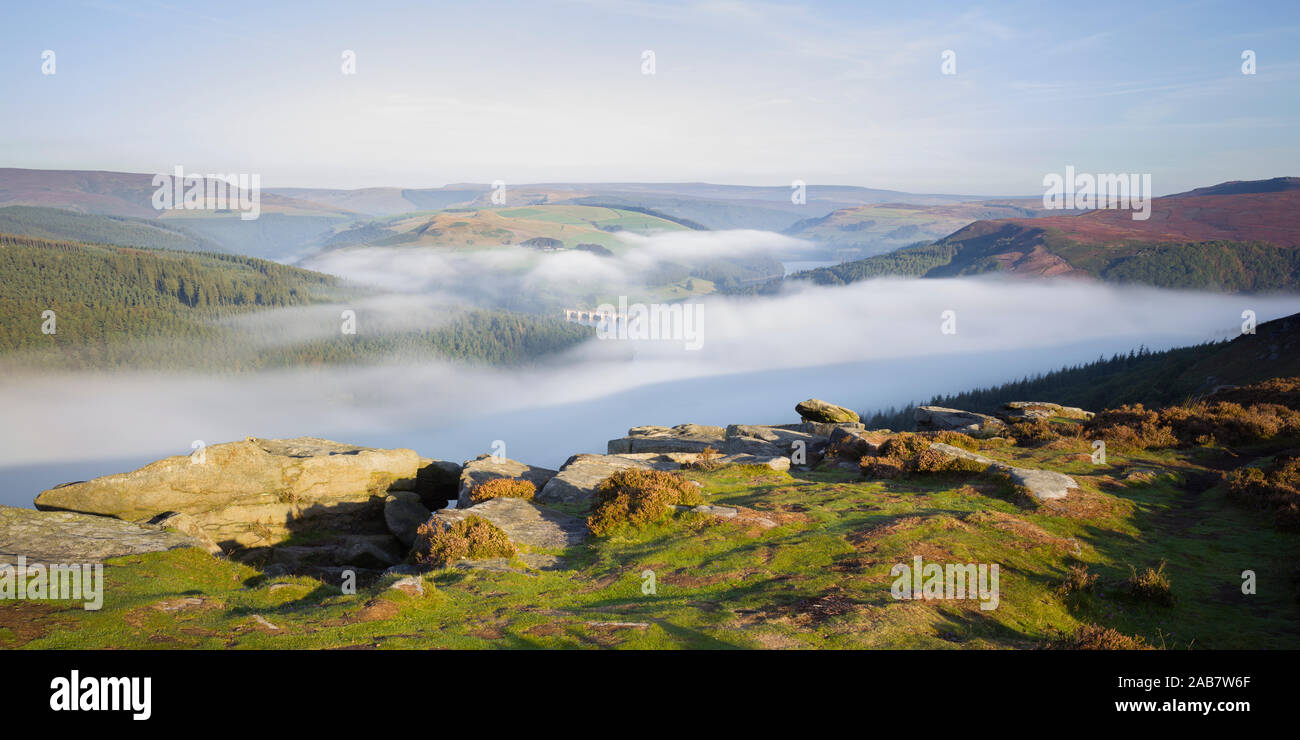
(1233, 424)
(1284, 391)
(1218, 419)
(933, 461)
(502, 488)
(1131, 428)
(1033, 432)
(904, 445)
(880, 467)
(911, 453)
(1276, 487)
(637, 497)
(957, 439)
(472, 537)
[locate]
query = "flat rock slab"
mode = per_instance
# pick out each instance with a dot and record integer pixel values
(524, 522)
(1022, 410)
(730, 513)
(681, 438)
(954, 451)
(774, 441)
(666, 461)
(1043, 485)
(488, 467)
(69, 538)
(581, 475)
(249, 493)
(777, 462)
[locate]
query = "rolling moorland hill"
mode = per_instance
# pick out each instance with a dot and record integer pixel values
(1237, 236)
(878, 228)
(130, 307)
(118, 194)
(286, 226)
(298, 221)
(549, 226)
(703, 202)
(63, 225)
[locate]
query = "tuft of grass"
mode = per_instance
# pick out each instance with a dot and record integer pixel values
(1078, 579)
(1151, 585)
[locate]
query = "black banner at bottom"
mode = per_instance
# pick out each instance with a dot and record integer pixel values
(289, 690)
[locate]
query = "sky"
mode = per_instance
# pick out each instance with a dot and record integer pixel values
(844, 93)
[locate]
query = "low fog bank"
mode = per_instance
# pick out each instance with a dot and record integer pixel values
(521, 278)
(868, 345)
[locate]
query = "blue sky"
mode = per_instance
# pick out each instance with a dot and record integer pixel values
(752, 93)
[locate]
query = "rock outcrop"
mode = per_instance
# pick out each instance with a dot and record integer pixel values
(744, 444)
(62, 537)
(817, 410)
(185, 524)
(252, 493)
(582, 474)
(1026, 410)
(489, 467)
(681, 438)
(437, 482)
(854, 444)
(404, 512)
(938, 418)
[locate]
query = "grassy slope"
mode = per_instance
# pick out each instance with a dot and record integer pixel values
(821, 579)
(572, 225)
(1155, 379)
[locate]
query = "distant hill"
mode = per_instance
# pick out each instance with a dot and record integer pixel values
(1149, 378)
(125, 307)
(1238, 236)
(570, 225)
(113, 208)
(61, 224)
(102, 293)
(868, 230)
(388, 201)
(120, 194)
